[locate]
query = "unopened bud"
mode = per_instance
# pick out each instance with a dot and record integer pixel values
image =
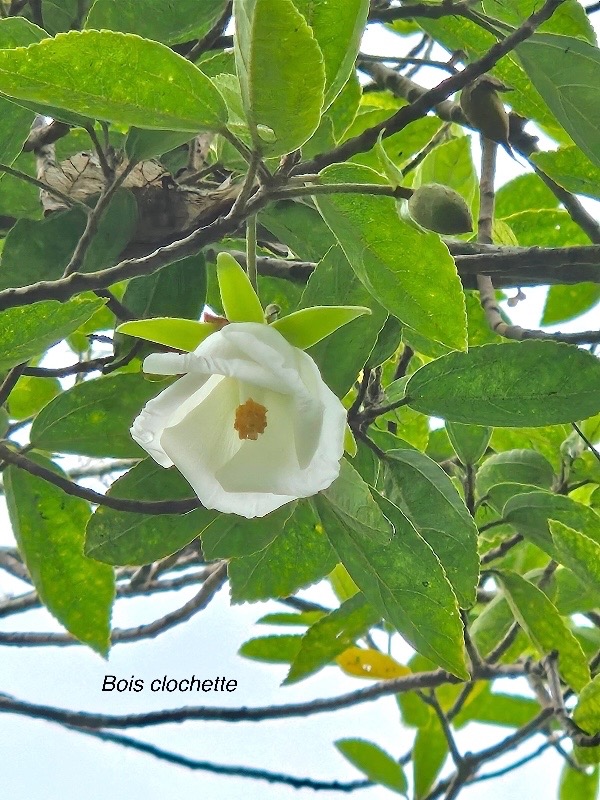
(439, 208)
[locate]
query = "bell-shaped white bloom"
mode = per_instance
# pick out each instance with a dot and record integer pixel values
(251, 424)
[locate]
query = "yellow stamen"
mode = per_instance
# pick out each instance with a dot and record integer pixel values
(250, 419)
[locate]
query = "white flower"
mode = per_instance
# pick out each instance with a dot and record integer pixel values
(251, 424)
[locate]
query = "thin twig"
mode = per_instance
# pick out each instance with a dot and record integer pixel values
(502, 549)
(222, 769)
(83, 719)
(119, 504)
(93, 222)
(125, 635)
(23, 176)
(107, 170)
(10, 381)
(208, 40)
(582, 435)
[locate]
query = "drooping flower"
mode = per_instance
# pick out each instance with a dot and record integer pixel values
(250, 424)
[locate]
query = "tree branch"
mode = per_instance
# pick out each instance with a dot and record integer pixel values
(125, 635)
(119, 504)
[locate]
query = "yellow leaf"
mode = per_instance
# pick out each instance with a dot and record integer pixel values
(367, 663)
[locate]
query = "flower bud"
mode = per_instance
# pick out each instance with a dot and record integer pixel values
(439, 208)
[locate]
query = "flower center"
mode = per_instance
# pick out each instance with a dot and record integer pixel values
(250, 419)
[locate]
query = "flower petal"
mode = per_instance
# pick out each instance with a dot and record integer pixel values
(149, 425)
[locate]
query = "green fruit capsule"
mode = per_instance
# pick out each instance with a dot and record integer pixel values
(439, 208)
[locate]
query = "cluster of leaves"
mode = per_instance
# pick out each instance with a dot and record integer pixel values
(478, 543)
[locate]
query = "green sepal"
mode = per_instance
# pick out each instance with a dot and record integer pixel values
(182, 334)
(309, 325)
(240, 301)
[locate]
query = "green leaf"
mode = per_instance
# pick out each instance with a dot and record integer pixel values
(126, 537)
(497, 708)
(170, 23)
(240, 301)
(93, 418)
(391, 171)
(569, 18)
(579, 552)
(302, 229)
(60, 15)
(510, 385)
(546, 440)
(280, 649)
(423, 491)
(142, 145)
(572, 595)
(16, 120)
(546, 228)
(395, 569)
(299, 555)
(182, 334)
(530, 512)
(570, 168)
(498, 495)
(308, 326)
(492, 624)
(19, 32)
(399, 147)
(18, 198)
(39, 250)
(16, 124)
(523, 193)
(126, 80)
(388, 342)
(375, 763)
(49, 526)
(27, 331)
(545, 627)
(336, 120)
(302, 619)
(116, 227)
(469, 441)
(177, 290)
(342, 355)
(564, 69)
(232, 536)
(331, 635)
(30, 394)
(564, 303)
(342, 584)
(578, 785)
(395, 261)
(338, 26)
(514, 466)
(586, 714)
(429, 753)
(281, 72)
